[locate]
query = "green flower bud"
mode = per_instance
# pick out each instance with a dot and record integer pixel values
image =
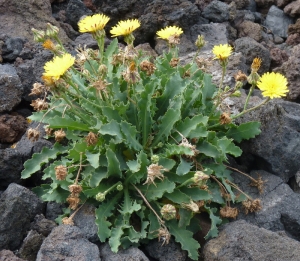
(253, 78)
(200, 178)
(103, 70)
(227, 88)
(100, 197)
(52, 31)
(239, 85)
(120, 187)
(200, 41)
(168, 212)
(236, 94)
(38, 36)
(155, 159)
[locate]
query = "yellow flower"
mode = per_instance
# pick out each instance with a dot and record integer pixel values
(93, 23)
(125, 27)
(256, 64)
(222, 51)
(58, 66)
(273, 85)
(169, 31)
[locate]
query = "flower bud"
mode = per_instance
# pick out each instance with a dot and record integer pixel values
(154, 159)
(168, 212)
(38, 36)
(120, 187)
(236, 94)
(51, 31)
(100, 197)
(103, 69)
(200, 178)
(200, 41)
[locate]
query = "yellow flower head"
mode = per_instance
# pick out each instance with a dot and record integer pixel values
(58, 66)
(125, 27)
(222, 51)
(273, 85)
(256, 64)
(169, 31)
(93, 23)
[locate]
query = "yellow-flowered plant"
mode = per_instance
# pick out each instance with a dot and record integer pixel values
(144, 140)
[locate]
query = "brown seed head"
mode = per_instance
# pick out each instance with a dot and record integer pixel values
(225, 118)
(240, 77)
(68, 221)
(256, 64)
(38, 89)
(59, 135)
(131, 75)
(228, 212)
(91, 139)
(164, 235)
(61, 172)
(174, 62)
(75, 189)
(39, 105)
(147, 67)
(33, 134)
(251, 205)
(174, 40)
(48, 130)
(154, 171)
(73, 202)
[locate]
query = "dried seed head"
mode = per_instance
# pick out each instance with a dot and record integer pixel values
(33, 134)
(73, 201)
(251, 205)
(131, 75)
(118, 58)
(174, 62)
(61, 172)
(68, 221)
(39, 105)
(174, 40)
(228, 212)
(59, 135)
(75, 189)
(154, 171)
(225, 118)
(103, 70)
(240, 77)
(38, 89)
(168, 212)
(100, 197)
(164, 234)
(259, 183)
(130, 53)
(256, 64)
(48, 130)
(186, 143)
(147, 67)
(91, 139)
(191, 206)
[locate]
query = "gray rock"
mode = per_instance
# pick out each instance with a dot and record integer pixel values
(278, 22)
(10, 88)
(12, 49)
(53, 210)
(75, 10)
(85, 220)
(251, 49)
(250, 29)
(242, 241)
(67, 243)
(130, 254)
(31, 245)
(166, 252)
(293, 8)
(276, 148)
(280, 205)
(217, 12)
(42, 225)
(7, 255)
(18, 207)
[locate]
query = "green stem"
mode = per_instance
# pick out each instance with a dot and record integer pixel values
(249, 94)
(112, 187)
(188, 181)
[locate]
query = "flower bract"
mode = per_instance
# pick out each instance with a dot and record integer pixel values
(125, 27)
(93, 23)
(273, 85)
(222, 51)
(58, 66)
(169, 31)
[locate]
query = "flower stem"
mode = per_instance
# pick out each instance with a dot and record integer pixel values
(249, 94)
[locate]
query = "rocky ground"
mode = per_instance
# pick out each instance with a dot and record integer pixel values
(269, 29)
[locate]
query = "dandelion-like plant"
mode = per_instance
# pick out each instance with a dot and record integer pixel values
(126, 28)
(93, 23)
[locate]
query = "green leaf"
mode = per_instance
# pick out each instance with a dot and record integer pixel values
(153, 192)
(130, 208)
(227, 146)
(185, 238)
(92, 158)
(178, 197)
(116, 233)
(215, 220)
(184, 167)
(185, 217)
(97, 176)
(130, 134)
(38, 159)
(190, 124)
(208, 149)
(154, 226)
(196, 194)
(111, 48)
(104, 211)
(78, 148)
(141, 163)
(113, 168)
(58, 122)
(113, 129)
(174, 149)
(244, 131)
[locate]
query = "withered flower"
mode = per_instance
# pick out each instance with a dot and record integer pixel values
(91, 139)
(73, 202)
(38, 89)
(147, 67)
(225, 118)
(33, 134)
(131, 75)
(68, 221)
(164, 234)
(240, 77)
(61, 172)
(191, 206)
(154, 171)
(39, 104)
(48, 130)
(75, 189)
(259, 183)
(174, 62)
(251, 205)
(186, 143)
(229, 212)
(117, 58)
(59, 135)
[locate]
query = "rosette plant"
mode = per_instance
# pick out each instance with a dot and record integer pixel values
(144, 140)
